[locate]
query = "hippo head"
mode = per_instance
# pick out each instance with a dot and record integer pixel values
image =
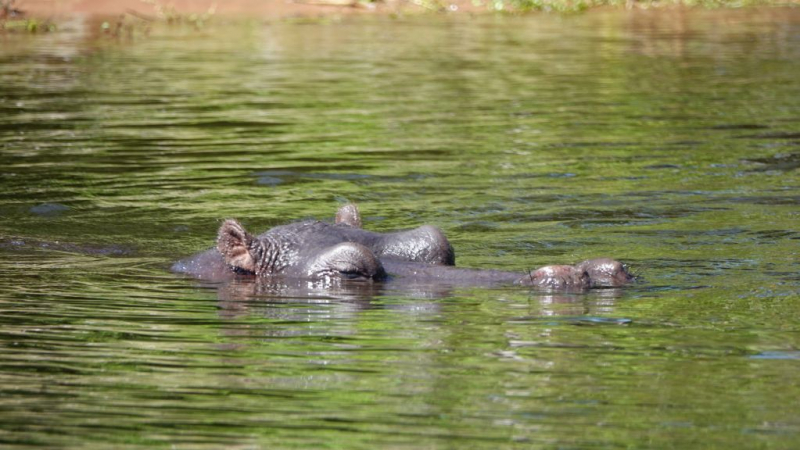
(268, 256)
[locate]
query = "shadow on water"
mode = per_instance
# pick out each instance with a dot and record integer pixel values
(781, 162)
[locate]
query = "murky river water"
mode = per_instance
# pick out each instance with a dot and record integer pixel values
(669, 141)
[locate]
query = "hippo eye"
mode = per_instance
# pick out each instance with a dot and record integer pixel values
(240, 271)
(353, 275)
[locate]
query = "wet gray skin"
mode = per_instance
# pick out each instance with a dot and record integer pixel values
(318, 250)
(315, 250)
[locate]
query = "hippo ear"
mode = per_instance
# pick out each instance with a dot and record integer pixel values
(234, 243)
(349, 215)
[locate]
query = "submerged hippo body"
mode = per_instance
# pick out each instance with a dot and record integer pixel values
(316, 250)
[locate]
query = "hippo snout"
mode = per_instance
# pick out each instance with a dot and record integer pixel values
(558, 277)
(606, 272)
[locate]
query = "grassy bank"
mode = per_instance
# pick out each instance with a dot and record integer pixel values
(582, 5)
(34, 16)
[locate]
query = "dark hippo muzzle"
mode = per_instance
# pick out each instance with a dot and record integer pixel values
(558, 277)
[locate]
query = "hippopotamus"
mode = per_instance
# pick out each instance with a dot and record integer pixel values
(314, 249)
(317, 250)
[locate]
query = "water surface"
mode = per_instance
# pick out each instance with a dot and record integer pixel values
(669, 141)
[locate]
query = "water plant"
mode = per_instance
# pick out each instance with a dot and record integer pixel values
(169, 14)
(133, 22)
(13, 19)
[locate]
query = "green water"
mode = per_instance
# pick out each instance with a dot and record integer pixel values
(668, 141)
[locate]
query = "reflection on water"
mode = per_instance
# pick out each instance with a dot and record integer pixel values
(667, 140)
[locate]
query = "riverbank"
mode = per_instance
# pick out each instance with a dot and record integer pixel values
(270, 9)
(287, 9)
